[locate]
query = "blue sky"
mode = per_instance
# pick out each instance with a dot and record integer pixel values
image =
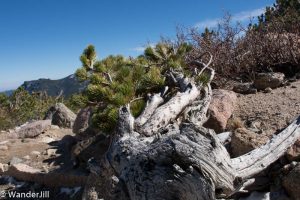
(44, 38)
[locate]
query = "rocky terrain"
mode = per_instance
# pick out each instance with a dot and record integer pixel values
(50, 155)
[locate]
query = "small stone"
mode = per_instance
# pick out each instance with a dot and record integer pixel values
(293, 86)
(27, 157)
(3, 167)
(3, 148)
(3, 142)
(15, 160)
(47, 140)
(265, 80)
(51, 152)
(45, 169)
(37, 153)
(268, 90)
(54, 127)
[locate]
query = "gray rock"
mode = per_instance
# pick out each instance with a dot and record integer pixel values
(265, 80)
(244, 88)
(61, 116)
(33, 129)
(82, 120)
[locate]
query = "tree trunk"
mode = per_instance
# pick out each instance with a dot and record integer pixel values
(169, 155)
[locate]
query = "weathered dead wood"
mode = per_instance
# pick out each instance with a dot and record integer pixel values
(170, 110)
(158, 156)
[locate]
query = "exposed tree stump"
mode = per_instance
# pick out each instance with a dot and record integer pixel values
(166, 153)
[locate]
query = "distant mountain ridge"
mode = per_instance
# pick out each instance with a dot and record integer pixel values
(68, 85)
(7, 92)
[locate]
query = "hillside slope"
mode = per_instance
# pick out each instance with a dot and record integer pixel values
(69, 85)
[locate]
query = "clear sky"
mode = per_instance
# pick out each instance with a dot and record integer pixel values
(44, 38)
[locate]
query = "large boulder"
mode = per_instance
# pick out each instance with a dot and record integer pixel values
(220, 109)
(244, 88)
(244, 141)
(82, 121)
(291, 183)
(61, 116)
(268, 80)
(31, 130)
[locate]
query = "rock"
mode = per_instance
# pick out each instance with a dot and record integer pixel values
(47, 140)
(45, 169)
(3, 142)
(268, 90)
(265, 80)
(24, 172)
(54, 127)
(36, 153)
(3, 167)
(3, 148)
(293, 153)
(82, 120)
(51, 152)
(244, 88)
(49, 114)
(95, 147)
(27, 157)
(62, 116)
(15, 160)
(220, 109)
(244, 141)
(291, 183)
(33, 129)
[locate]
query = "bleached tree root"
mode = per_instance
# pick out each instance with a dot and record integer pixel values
(162, 157)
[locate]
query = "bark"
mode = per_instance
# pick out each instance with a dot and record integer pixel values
(162, 157)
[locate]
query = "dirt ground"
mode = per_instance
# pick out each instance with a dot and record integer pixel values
(269, 112)
(49, 152)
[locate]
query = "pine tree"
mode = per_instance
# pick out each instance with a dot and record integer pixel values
(116, 81)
